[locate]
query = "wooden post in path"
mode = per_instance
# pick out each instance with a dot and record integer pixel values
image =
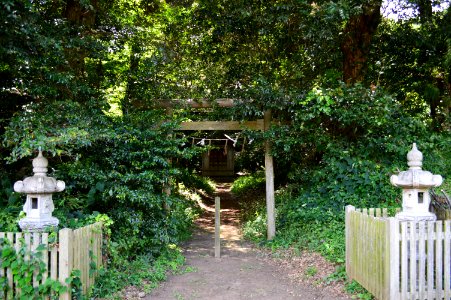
(269, 174)
(217, 227)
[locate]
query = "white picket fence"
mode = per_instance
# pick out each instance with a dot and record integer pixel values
(79, 249)
(397, 260)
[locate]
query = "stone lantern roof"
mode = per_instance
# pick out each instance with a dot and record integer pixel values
(415, 177)
(39, 183)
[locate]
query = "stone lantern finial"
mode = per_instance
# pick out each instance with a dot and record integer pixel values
(40, 164)
(414, 158)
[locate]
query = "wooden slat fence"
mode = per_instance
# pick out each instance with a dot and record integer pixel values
(398, 260)
(79, 249)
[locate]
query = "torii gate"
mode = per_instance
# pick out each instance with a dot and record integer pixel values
(261, 124)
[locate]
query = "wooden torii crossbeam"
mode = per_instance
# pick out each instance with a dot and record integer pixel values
(261, 124)
(195, 103)
(223, 125)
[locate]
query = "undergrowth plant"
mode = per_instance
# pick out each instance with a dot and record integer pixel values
(26, 265)
(145, 271)
(248, 183)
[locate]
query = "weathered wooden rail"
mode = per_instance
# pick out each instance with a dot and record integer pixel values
(398, 260)
(79, 249)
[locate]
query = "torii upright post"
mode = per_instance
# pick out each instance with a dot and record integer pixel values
(167, 185)
(269, 174)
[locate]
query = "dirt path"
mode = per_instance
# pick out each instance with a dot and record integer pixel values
(241, 273)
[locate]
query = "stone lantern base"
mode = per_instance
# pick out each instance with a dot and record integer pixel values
(38, 225)
(411, 217)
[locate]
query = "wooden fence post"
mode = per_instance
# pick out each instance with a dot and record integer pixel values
(392, 261)
(217, 227)
(65, 259)
(348, 210)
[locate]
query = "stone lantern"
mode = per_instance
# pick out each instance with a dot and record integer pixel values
(415, 184)
(39, 204)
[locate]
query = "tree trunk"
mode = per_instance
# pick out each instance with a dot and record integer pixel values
(425, 9)
(357, 40)
(130, 93)
(79, 15)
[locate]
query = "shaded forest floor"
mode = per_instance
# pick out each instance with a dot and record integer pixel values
(243, 271)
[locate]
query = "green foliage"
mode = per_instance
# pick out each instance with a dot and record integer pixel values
(250, 190)
(144, 270)
(10, 205)
(410, 62)
(194, 182)
(255, 228)
(76, 285)
(355, 288)
(248, 183)
(24, 264)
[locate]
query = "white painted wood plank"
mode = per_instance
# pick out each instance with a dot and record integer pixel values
(447, 260)
(404, 260)
(18, 244)
(412, 260)
(348, 244)
(394, 260)
(9, 273)
(45, 255)
(438, 260)
(2, 270)
(422, 259)
(370, 249)
(65, 259)
(36, 241)
(364, 261)
(382, 271)
(359, 229)
(54, 261)
(377, 260)
(430, 259)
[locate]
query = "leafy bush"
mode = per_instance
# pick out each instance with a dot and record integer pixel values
(144, 270)
(254, 229)
(248, 183)
(194, 181)
(10, 204)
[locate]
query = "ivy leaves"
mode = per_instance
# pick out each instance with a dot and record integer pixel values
(24, 265)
